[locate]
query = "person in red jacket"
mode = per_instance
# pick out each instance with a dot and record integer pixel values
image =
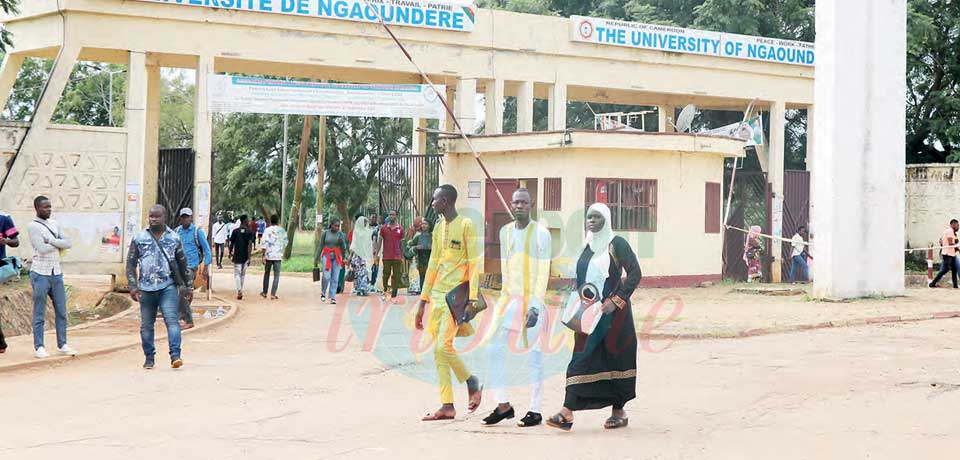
(391, 235)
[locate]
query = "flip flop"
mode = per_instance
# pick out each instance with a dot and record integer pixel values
(436, 417)
(474, 405)
(559, 421)
(615, 422)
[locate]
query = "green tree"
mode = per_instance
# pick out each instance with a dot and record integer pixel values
(933, 81)
(355, 150)
(8, 7)
(176, 114)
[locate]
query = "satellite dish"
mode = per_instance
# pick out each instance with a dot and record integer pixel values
(685, 120)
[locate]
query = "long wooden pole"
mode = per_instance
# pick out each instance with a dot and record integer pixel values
(321, 158)
(294, 216)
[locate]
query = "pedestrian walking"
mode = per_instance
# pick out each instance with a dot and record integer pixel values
(361, 253)
(330, 255)
(375, 241)
(391, 234)
(164, 277)
(274, 242)
(422, 244)
(220, 234)
(198, 252)
(603, 368)
(241, 248)
(948, 254)
(46, 278)
(261, 227)
(798, 255)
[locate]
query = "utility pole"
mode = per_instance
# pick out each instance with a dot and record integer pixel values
(283, 182)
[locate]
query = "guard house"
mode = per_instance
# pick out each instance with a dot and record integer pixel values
(106, 178)
(663, 190)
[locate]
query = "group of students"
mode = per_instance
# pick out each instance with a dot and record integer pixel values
(362, 250)
(50, 243)
(240, 238)
(603, 367)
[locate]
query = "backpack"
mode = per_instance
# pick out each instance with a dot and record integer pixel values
(10, 268)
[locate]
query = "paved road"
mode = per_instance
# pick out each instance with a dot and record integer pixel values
(267, 386)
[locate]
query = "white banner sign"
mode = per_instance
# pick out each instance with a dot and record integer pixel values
(417, 13)
(259, 95)
(690, 41)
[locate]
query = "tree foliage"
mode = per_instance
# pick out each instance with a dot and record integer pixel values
(933, 81)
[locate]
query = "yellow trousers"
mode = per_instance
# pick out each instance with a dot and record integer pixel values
(445, 355)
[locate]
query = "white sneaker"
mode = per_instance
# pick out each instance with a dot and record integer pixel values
(42, 353)
(65, 349)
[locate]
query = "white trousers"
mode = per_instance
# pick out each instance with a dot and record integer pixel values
(498, 354)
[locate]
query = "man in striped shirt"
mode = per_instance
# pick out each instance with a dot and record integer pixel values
(46, 278)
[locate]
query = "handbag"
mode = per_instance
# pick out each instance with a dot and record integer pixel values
(316, 275)
(457, 300)
(351, 276)
(10, 268)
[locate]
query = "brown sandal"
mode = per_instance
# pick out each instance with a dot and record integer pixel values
(475, 403)
(436, 417)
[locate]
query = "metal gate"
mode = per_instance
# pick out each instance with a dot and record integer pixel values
(406, 185)
(751, 205)
(796, 211)
(175, 181)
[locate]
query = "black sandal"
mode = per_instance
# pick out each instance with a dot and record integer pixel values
(559, 421)
(615, 422)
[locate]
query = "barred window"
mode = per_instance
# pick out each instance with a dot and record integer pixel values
(551, 194)
(632, 202)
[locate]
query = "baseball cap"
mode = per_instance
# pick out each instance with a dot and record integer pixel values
(186, 212)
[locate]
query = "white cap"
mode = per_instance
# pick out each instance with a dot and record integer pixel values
(186, 212)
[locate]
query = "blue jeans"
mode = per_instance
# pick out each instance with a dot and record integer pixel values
(801, 261)
(48, 286)
(331, 276)
(166, 301)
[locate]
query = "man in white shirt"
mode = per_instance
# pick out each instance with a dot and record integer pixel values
(798, 257)
(520, 314)
(46, 278)
(220, 232)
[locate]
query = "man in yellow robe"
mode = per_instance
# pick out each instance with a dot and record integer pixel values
(455, 259)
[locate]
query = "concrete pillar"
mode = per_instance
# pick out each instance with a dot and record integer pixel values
(809, 161)
(466, 104)
(151, 154)
(666, 118)
(135, 120)
(493, 99)
(810, 138)
(778, 124)
(202, 143)
(557, 111)
(859, 171)
(525, 107)
(9, 70)
(418, 138)
(446, 123)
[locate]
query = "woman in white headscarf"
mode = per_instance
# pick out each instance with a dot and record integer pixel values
(361, 250)
(603, 370)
